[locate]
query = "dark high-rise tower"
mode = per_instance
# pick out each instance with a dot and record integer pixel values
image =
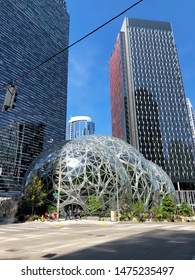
(31, 32)
(148, 100)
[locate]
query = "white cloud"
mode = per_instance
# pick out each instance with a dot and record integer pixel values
(81, 63)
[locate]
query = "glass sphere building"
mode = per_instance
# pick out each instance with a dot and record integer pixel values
(104, 166)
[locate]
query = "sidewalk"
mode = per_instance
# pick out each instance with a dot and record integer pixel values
(82, 221)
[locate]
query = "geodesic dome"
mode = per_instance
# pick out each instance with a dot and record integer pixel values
(104, 166)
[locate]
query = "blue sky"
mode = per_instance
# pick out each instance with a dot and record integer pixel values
(89, 85)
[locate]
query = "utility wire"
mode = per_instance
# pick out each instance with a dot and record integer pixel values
(71, 45)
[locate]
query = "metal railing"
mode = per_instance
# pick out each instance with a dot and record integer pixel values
(188, 196)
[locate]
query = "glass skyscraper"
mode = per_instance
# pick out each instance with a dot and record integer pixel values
(148, 100)
(80, 126)
(31, 32)
(191, 114)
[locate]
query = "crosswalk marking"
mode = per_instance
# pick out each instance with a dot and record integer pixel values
(187, 228)
(14, 230)
(32, 228)
(23, 227)
(61, 230)
(168, 227)
(145, 226)
(2, 238)
(40, 246)
(61, 246)
(29, 236)
(150, 226)
(40, 235)
(12, 239)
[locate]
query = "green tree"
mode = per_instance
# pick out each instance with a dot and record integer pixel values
(34, 194)
(168, 207)
(93, 204)
(157, 211)
(185, 209)
(138, 208)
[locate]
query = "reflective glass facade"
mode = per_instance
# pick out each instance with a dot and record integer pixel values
(191, 114)
(104, 166)
(81, 126)
(151, 113)
(31, 32)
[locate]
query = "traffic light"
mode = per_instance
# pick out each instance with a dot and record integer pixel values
(10, 97)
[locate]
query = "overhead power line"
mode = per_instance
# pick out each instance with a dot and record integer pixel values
(69, 46)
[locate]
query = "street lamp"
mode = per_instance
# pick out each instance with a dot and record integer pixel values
(59, 187)
(117, 202)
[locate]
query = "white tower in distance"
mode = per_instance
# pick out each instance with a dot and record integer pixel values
(191, 114)
(80, 126)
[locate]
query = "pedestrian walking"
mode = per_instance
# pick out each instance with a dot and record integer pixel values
(79, 213)
(75, 213)
(69, 213)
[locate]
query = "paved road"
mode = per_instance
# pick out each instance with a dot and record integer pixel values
(90, 240)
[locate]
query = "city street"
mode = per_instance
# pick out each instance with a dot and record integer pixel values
(91, 240)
